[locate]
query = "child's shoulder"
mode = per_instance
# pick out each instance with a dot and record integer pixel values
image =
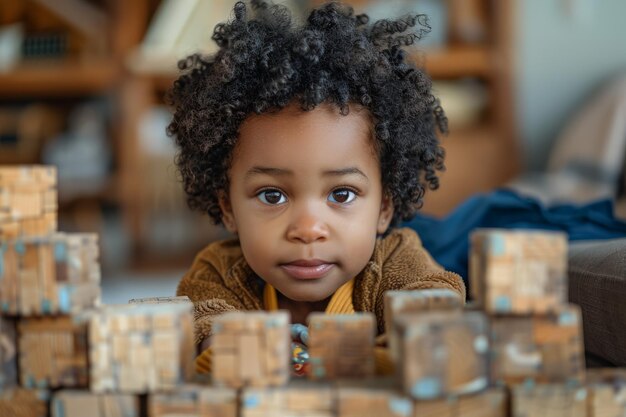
(398, 239)
(220, 254)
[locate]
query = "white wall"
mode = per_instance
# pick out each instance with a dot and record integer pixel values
(565, 49)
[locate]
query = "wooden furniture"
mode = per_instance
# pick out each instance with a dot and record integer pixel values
(482, 157)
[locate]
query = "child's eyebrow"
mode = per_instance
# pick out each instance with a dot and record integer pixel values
(285, 172)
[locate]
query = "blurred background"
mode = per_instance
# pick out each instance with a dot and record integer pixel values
(533, 90)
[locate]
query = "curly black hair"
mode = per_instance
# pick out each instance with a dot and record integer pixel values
(265, 62)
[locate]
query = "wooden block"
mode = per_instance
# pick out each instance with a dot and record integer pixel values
(19, 402)
(250, 365)
(416, 301)
(50, 204)
(443, 353)
(49, 275)
(518, 272)
(25, 205)
(75, 404)
(341, 346)
(546, 348)
(27, 201)
(194, 400)
(549, 400)
(251, 349)
(10, 230)
(129, 354)
(53, 351)
(372, 402)
(489, 403)
(607, 389)
(161, 300)
(300, 398)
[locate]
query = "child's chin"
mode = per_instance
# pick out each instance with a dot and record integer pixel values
(308, 295)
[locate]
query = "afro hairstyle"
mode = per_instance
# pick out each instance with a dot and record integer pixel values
(266, 61)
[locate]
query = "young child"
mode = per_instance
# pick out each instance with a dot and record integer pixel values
(310, 143)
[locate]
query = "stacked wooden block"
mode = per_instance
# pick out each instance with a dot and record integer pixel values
(53, 351)
(607, 388)
(41, 272)
(48, 283)
(441, 354)
(194, 400)
(133, 352)
(300, 398)
(21, 402)
(251, 349)
(54, 274)
(523, 341)
(75, 403)
(140, 348)
(341, 346)
(411, 303)
(519, 279)
(518, 272)
(28, 201)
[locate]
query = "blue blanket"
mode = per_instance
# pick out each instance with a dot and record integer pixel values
(447, 239)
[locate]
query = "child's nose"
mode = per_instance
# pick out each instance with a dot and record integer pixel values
(307, 227)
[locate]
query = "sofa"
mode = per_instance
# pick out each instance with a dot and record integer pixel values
(597, 283)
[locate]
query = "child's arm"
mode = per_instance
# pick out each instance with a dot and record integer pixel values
(409, 266)
(205, 286)
(406, 265)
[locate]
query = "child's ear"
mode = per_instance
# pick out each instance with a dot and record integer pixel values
(227, 212)
(386, 214)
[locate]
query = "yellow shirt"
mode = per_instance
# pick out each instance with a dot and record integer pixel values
(340, 303)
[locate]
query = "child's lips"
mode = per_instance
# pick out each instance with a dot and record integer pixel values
(304, 271)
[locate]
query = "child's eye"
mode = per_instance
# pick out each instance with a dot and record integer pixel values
(271, 197)
(342, 196)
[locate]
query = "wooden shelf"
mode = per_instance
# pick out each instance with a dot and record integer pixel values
(440, 63)
(457, 62)
(477, 160)
(58, 78)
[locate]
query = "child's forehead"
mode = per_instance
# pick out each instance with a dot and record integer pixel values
(324, 119)
(320, 139)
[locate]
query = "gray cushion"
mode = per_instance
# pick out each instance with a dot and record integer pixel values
(597, 282)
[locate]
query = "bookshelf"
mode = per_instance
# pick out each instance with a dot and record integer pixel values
(485, 155)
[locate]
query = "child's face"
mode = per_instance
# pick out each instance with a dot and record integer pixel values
(306, 186)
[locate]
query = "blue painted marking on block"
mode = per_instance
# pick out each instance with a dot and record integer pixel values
(320, 372)
(401, 406)
(567, 318)
(251, 401)
(5, 306)
(426, 388)
(65, 298)
(503, 303)
(60, 252)
(59, 410)
(46, 306)
(19, 247)
(496, 244)
(529, 383)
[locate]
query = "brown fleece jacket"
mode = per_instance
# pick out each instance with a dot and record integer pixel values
(221, 280)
